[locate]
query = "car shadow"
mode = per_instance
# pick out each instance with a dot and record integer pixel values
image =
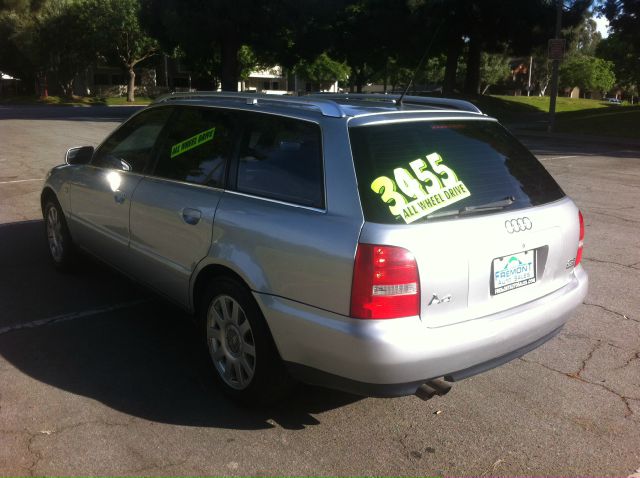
(101, 336)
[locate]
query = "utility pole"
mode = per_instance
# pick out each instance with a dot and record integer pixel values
(556, 67)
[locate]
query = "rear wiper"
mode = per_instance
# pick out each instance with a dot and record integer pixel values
(490, 206)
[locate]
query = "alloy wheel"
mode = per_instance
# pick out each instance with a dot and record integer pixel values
(231, 342)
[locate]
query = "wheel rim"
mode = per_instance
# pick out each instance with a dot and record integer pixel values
(231, 342)
(54, 234)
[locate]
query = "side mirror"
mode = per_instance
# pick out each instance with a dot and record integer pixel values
(79, 155)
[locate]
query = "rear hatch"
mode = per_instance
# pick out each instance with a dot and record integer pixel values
(489, 227)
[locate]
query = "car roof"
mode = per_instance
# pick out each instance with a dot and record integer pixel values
(329, 105)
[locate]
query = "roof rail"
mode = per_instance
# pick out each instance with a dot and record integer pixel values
(326, 106)
(413, 100)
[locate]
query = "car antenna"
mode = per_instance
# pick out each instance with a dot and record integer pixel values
(415, 72)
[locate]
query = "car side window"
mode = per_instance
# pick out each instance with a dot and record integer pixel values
(281, 158)
(197, 147)
(131, 146)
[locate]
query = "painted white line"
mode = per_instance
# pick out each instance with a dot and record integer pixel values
(20, 181)
(557, 157)
(71, 316)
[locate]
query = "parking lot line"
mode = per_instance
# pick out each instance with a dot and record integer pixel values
(557, 157)
(20, 181)
(71, 316)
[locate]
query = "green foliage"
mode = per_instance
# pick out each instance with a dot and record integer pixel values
(625, 60)
(623, 44)
(64, 49)
(583, 39)
(588, 73)
(494, 68)
(323, 69)
(115, 33)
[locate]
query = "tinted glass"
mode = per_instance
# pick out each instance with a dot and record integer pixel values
(131, 146)
(409, 171)
(281, 158)
(197, 146)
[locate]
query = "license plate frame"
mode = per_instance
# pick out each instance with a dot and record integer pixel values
(518, 270)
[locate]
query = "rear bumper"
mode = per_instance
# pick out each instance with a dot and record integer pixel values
(394, 357)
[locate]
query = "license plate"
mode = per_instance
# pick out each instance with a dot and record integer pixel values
(513, 271)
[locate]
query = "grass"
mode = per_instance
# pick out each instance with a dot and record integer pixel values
(574, 116)
(616, 121)
(75, 101)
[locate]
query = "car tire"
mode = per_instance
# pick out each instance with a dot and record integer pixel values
(246, 363)
(61, 248)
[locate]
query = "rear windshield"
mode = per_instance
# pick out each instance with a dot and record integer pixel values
(411, 172)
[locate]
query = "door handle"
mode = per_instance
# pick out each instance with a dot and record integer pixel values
(191, 216)
(119, 197)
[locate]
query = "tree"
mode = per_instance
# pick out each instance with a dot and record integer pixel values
(583, 38)
(623, 16)
(207, 28)
(588, 73)
(398, 38)
(623, 44)
(542, 69)
(64, 49)
(625, 61)
(493, 69)
(477, 26)
(323, 70)
(115, 30)
(19, 52)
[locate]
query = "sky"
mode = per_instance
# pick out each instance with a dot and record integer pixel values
(602, 23)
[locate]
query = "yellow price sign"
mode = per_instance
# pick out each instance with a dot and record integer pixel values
(423, 188)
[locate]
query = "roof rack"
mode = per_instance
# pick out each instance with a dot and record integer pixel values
(393, 98)
(326, 106)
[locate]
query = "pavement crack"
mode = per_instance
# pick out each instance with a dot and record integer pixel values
(625, 219)
(37, 456)
(600, 261)
(619, 314)
(578, 376)
(631, 359)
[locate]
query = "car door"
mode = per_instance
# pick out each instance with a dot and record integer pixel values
(100, 192)
(173, 208)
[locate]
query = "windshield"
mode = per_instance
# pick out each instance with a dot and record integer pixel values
(411, 172)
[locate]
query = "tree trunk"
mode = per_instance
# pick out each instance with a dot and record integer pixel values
(472, 79)
(131, 85)
(451, 67)
(229, 60)
(386, 75)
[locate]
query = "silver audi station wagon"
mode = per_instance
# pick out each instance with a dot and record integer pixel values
(358, 242)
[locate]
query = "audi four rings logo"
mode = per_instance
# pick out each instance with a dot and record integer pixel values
(518, 225)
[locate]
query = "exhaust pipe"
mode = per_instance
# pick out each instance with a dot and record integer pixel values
(431, 388)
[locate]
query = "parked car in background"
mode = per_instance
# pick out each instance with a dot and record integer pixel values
(615, 101)
(357, 242)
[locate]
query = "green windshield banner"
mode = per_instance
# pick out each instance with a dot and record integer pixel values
(193, 142)
(421, 190)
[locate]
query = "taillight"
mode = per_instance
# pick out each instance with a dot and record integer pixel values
(581, 240)
(385, 283)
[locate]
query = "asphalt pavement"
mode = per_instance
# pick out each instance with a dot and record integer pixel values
(100, 377)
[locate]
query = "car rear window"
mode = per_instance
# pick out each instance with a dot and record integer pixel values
(411, 172)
